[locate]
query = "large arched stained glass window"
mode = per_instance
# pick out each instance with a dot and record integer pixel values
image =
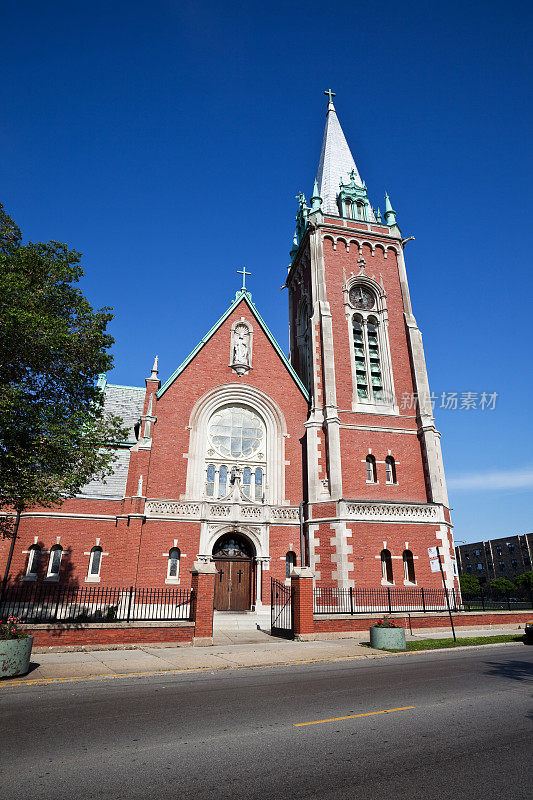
(236, 446)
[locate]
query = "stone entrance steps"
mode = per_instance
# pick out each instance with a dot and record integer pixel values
(241, 626)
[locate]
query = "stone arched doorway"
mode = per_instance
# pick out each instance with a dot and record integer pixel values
(233, 555)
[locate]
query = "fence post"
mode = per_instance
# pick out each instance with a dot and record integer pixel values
(454, 599)
(129, 604)
(203, 588)
(303, 622)
(482, 600)
(531, 597)
(351, 600)
(508, 601)
(423, 600)
(388, 599)
(57, 603)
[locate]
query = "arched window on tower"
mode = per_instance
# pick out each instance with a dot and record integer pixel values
(390, 469)
(371, 470)
(348, 208)
(34, 558)
(303, 342)
(408, 567)
(371, 360)
(386, 567)
(360, 211)
(290, 563)
(368, 373)
(173, 566)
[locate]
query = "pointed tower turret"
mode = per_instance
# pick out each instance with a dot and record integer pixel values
(336, 162)
(316, 200)
(390, 213)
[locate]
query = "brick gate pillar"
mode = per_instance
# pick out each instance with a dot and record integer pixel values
(203, 586)
(302, 584)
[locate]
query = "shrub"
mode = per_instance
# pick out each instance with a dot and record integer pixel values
(11, 629)
(386, 622)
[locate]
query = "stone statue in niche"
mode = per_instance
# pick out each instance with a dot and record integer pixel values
(241, 349)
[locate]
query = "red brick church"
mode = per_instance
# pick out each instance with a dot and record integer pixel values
(261, 462)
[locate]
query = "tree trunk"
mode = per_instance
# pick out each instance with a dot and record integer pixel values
(11, 551)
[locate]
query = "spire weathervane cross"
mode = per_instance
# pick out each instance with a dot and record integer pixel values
(244, 273)
(330, 94)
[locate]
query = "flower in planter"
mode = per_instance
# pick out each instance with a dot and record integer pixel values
(11, 629)
(386, 622)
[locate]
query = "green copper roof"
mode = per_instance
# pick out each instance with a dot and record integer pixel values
(242, 295)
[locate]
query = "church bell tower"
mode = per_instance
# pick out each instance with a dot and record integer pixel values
(375, 491)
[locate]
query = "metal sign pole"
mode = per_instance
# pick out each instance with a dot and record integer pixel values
(446, 593)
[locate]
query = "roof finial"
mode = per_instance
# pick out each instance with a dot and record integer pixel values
(330, 95)
(154, 369)
(244, 273)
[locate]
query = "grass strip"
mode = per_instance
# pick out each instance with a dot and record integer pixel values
(435, 644)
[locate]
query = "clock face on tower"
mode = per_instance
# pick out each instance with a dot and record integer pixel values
(361, 298)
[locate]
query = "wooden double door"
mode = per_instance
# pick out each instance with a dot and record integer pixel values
(233, 587)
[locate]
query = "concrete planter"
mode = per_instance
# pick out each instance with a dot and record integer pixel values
(387, 638)
(15, 656)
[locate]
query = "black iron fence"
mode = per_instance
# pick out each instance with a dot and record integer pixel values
(490, 600)
(281, 609)
(45, 603)
(384, 600)
(387, 599)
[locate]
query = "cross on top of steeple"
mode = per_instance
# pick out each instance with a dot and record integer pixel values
(244, 273)
(330, 94)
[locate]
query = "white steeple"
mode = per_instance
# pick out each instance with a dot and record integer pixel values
(336, 162)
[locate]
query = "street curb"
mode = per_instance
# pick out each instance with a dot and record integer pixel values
(267, 664)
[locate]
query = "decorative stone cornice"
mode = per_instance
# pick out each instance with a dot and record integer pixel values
(361, 511)
(231, 512)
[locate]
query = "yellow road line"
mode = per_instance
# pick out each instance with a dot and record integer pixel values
(352, 716)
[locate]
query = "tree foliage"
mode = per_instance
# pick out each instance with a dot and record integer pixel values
(525, 580)
(502, 586)
(470, 586)
(54, 434)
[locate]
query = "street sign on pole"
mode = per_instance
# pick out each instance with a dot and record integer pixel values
(434, 564)
(432, 552)
(445, 592)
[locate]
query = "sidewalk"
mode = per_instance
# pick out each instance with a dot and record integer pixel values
(258, 649)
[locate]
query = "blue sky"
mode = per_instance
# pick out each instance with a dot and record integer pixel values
(167, 140)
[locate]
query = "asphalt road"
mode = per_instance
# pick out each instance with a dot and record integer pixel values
(232, 733)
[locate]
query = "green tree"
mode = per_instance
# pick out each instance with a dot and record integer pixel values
(502, 586)
(470, 586)
(525, 581)
(54, 434)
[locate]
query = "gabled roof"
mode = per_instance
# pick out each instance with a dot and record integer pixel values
(242, 296)
(124, 401)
